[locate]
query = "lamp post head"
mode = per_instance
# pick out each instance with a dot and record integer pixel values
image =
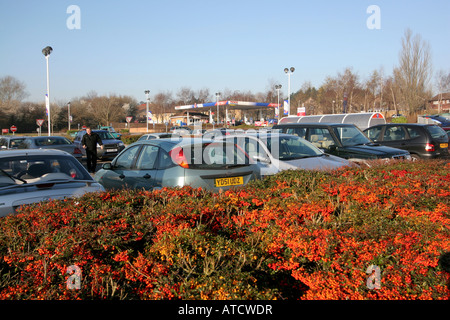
(286, 70)
(47, 50)
(292, 69)
(147, 91)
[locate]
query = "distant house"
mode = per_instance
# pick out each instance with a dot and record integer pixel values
(141, 110)
(440, 102)
(192, 117)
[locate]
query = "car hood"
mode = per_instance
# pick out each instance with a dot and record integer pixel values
(375, 149)
(111, 141)
(324, 162)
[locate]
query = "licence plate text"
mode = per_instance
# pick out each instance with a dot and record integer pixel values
(224, 182)
(444, 145)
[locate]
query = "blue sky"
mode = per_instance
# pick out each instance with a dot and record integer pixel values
(127, 47)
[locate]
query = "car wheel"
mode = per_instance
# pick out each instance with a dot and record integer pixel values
(415, 157)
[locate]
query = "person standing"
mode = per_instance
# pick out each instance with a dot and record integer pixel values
(89, 143)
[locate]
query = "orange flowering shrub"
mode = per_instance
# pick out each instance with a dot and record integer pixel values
(295, 235)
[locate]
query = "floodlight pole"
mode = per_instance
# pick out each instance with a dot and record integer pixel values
(46, 51)
(289, 72)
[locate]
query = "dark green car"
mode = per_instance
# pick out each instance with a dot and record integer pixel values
(343, 140)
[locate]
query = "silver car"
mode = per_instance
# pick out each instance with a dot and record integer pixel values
(10, 142)
(158, 135)
(178, 162)
(30, 176)
(51, 142)
(275, 152)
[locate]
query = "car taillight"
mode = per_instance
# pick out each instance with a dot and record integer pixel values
(429, 147)
(178, 157)
(76, 151)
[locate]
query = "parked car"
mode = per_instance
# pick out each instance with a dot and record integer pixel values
(218, 132)
(153, 164)
(30, 176)
(343, 140)
(158, 135)
(112, 131)
(442, 121)
(11, 142)
(181, 130)
(275, 152)
(51, 142)
(422, 141)
(111, 146)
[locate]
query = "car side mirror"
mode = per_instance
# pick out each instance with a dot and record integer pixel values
(261, 159)
(107, 166)
(332, 148)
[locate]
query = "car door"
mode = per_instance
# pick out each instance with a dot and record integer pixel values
(144, 174)
(395, 137)
(119, 175)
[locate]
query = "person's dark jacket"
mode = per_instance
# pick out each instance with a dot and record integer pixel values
(90, 141)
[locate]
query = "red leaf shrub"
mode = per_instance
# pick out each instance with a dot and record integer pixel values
(296, 235)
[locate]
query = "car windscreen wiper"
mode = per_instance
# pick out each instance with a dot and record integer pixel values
(12, 177)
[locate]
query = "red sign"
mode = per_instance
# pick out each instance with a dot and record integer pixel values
(129, 119)
(13, 128)
(39, 122)
(5, 130)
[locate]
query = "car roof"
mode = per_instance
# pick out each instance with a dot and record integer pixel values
(402, 124)
(169, 143)
(259, 134)
(45, 137)
(14, 137)
(31, 152)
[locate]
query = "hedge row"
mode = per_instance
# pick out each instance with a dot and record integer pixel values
(296, 235)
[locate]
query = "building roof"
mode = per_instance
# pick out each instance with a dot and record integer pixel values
(445, 96)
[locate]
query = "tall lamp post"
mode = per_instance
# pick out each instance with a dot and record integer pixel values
(278, 87)
(146, 115)
(46, 51)
(68, 115)
(289, 72)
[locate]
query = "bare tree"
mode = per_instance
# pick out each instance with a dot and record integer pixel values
(414, 71)
(12, 92)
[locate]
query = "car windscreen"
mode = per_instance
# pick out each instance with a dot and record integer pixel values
(104, 135)
(31, 168)
(51, 141)
(436, 132)
(351, 136)
(290, 147)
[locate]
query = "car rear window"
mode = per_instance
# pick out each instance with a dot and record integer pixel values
(215, 155)
(33, 167)
(436, 132)
(40, 142)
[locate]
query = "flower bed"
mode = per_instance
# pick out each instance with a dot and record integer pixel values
(296, 235)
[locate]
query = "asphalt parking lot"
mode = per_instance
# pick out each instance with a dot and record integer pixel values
(99, 164)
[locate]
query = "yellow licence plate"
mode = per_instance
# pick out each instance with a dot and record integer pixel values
(444, 145)
(225, 182)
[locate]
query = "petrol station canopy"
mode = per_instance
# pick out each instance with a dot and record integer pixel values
(230, 105)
